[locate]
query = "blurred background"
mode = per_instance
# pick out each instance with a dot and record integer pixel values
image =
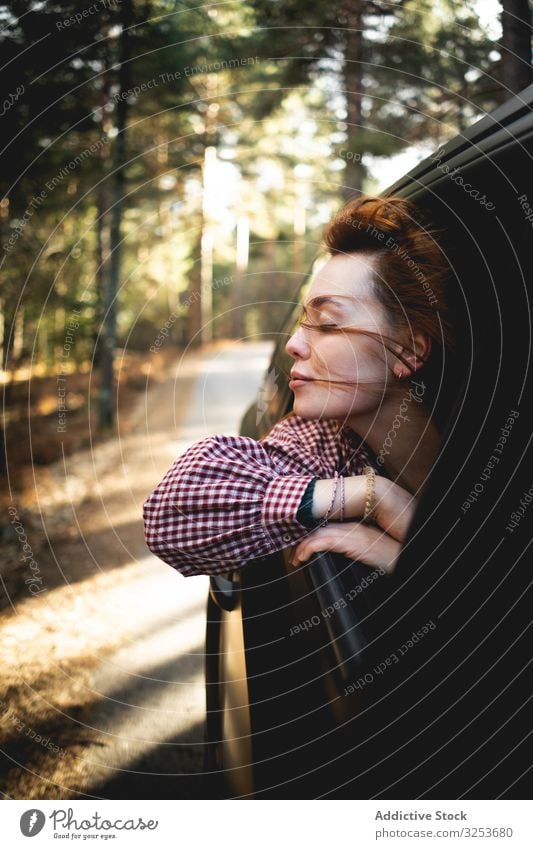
(166, 173)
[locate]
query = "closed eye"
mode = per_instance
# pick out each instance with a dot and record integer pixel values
(323, 327)
(306, 320)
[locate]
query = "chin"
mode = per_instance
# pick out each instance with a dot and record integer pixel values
(309, 409)
(305, 408)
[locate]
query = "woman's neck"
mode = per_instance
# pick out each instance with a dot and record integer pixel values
(403, 436)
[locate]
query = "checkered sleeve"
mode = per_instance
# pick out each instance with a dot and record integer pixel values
(228, 500)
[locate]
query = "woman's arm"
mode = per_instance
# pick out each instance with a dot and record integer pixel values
(354, 488)
(394, 505)
(377, 547)
(228, 500)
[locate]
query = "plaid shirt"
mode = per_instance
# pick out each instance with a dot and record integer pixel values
(231, 499)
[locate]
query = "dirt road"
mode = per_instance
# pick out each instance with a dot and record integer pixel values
(103, 693)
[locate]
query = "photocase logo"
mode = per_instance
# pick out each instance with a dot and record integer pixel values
(32, 822)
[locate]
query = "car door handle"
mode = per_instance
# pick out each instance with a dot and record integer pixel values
(225, 590)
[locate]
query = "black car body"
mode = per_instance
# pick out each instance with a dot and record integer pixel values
(325, 711)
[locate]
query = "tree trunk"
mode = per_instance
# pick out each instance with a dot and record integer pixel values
(101, 248)
(242, 248)
(193, 318)
(353, 85)
(200, 318)
(109, 325)
(516, 44)
(18, 336)
(99, 259)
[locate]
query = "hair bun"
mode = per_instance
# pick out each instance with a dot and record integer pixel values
(393, 215)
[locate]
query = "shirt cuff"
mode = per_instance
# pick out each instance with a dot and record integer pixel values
(305, 510)
(282, 499)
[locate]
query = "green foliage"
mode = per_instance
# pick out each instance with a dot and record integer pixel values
(265, 83)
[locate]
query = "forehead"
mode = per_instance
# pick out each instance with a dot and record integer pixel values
(347, 275)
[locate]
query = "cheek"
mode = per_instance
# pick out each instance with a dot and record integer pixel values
(354, 358)
(370, 355)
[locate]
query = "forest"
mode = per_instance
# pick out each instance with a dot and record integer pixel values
(167, 168)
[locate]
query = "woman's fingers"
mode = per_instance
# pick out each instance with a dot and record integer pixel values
(368, 545)
(381, 551)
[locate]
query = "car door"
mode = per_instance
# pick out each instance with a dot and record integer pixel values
(331, 712)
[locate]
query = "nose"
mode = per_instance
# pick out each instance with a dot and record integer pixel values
(297, 346)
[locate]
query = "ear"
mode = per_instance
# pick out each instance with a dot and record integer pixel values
(415, 355)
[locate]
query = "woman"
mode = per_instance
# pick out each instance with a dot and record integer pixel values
(342, 471)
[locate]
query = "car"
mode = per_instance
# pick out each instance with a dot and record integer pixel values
(321, 683)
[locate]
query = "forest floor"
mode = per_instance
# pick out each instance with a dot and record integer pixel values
(36, 443)
(102, 662)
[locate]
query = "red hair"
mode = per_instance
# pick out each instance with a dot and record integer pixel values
(410, 270)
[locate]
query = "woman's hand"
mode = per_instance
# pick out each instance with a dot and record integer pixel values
(370, 545)
(395, 507)
(377, 547)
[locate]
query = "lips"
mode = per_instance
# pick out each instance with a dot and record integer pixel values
(295, 375)
(298, 380)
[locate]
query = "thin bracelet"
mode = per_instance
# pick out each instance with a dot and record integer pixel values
(330, 508)
(343, 499)
(370, 499)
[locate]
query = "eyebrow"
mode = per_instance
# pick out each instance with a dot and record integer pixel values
(320, 300)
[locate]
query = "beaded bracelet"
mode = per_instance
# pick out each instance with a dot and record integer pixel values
(343, 499)
(330, 508)
(370, 499)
